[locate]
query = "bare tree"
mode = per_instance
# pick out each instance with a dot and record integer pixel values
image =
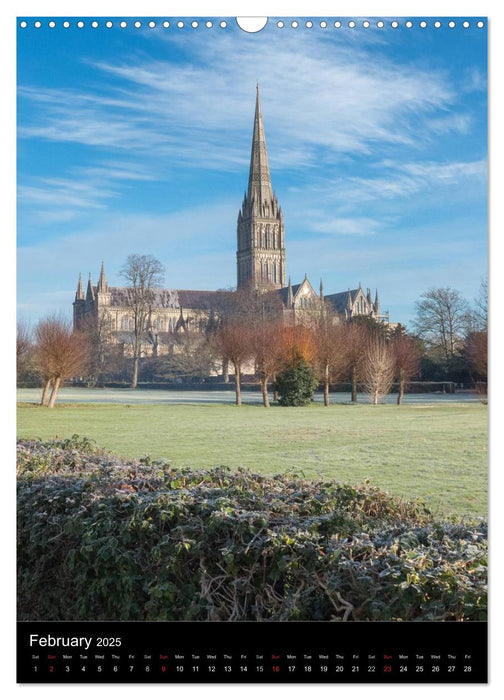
(23, 346)
(331, 351)
(299, 342)
(481, 306)
(144, 274)
(61, 353)
(441, 320)
(267, 349)
(100, 339)
(476, 352)
(355, 337)
(232, 339)
(406, 354)
(377, 368)
(23, 341)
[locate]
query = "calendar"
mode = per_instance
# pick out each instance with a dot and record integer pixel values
(252, 349)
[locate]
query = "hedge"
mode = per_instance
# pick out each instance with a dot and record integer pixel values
(100, 539)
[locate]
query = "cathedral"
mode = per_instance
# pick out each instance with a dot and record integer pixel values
(261, 265)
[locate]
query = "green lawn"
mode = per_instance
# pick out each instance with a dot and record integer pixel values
(438, 452)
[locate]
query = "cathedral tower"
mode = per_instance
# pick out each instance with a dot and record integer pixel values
(261, 242)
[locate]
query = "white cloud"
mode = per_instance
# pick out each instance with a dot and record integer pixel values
(360, 226)
(340, 101)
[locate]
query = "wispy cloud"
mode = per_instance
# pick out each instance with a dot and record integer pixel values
(57, 199)
(340, 101)
(360, 226)
(365, 143)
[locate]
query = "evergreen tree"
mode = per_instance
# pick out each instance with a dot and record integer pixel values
(296, 384)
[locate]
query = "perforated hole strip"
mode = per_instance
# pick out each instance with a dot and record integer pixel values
(285, 23)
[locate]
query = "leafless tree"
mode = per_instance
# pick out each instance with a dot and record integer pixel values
(232, 339)
(406, 354)
(481, 306)
(143, 274)
(377, 368)
(100, 340)
(61, 353)
(355, 337)
(299, 342)
(441, 320)
(331, 350)
(476, 352)
(266, 344)
(23, 341)
(23, 346)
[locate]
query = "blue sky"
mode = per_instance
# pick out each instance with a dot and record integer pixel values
(138, 141)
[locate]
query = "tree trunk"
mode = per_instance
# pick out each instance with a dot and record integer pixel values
(326, 385)
(54, 392)
(45, 392)
(264, 390)
(375, 397)
(354, 385)
(275, 392)
(402, 383)
(225, 370)
(134, 380)
(237, 383)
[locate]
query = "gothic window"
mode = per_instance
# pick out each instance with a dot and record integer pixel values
(126, 323)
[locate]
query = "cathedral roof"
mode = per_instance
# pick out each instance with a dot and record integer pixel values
(284, 292)
(340, 299)
(166, 298)
(195, 299)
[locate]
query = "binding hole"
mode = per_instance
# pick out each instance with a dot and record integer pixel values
(251, 24)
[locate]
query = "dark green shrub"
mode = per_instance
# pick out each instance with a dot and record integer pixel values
(296, 384)
(103, 540)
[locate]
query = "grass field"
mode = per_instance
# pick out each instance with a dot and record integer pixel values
(437, 452)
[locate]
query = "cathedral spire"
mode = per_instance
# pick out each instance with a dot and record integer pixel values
(79, 294)
(102, 282)
(259, 184)
(260, 255)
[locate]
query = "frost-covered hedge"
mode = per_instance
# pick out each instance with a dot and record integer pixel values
(100, 539)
